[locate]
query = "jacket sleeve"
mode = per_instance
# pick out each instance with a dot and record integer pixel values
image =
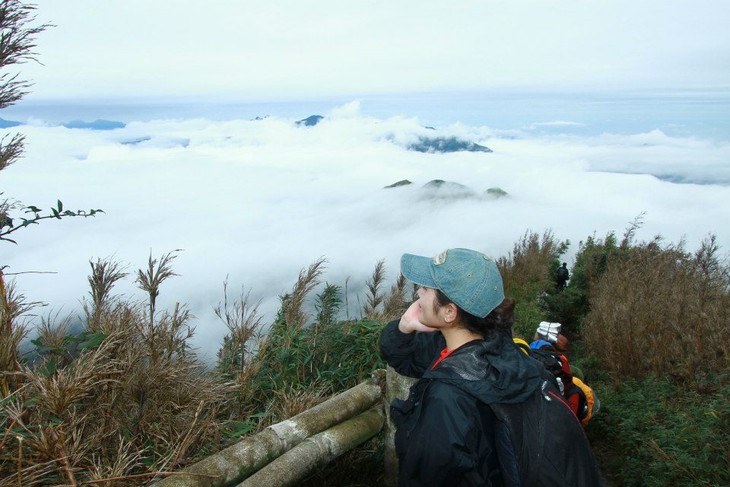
(410, 354)
(451, 443)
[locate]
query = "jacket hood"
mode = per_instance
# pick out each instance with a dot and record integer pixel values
(493, 370)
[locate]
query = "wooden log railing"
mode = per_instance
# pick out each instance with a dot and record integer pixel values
(285, 453)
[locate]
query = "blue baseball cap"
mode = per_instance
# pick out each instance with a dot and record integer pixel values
(468, 278)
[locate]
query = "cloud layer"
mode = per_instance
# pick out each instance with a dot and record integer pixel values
(255, 201)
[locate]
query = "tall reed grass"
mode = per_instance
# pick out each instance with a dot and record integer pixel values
(661, 310)
(123, 397)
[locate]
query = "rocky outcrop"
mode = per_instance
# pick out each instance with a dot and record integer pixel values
(446, 144)
(310, 121)
(495, 193)
(450, 190)
(397, 184)
(438, 188)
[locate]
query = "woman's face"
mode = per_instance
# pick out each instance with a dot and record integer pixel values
(430, 313)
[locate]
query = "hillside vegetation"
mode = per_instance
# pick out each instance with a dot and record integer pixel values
(126, 399)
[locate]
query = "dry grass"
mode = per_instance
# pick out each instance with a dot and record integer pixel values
(291, 401)
(527, 273)
(132, 403)
(385, 306)
(527, 267)
(293, 303)
(660, 310)
(396, 302)
(12, 331)
(104, 275)
(374, 298)
(237, 357)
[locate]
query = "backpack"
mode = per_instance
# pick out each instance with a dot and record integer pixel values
(557, 364)
(588, 403)
(576, 392)
(544, 455)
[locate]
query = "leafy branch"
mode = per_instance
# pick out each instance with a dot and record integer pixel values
(8, 225)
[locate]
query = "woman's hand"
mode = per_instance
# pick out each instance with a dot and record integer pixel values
(409, 321)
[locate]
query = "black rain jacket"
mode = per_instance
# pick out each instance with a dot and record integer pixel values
(487, 415)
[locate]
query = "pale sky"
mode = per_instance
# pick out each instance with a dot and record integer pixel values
(268, 49)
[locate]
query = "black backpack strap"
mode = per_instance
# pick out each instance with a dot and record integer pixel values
(524, 425)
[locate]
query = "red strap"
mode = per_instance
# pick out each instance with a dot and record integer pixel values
(444, 353)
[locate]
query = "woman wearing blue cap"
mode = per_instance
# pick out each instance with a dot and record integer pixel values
(482, 412)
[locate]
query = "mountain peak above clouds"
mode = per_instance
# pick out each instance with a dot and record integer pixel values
(310, 121)
(446, 144)
(98, 124)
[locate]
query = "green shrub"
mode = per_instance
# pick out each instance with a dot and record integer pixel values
(654, 432)
(570, 305)
(330, 358)
(303, 363)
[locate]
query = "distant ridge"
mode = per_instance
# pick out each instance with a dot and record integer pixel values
(4, 124)
(95, 125)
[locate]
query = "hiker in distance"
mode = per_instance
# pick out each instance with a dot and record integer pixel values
(482, 412)
(562, 276)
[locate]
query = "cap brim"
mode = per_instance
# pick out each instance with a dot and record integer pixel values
(417, 269)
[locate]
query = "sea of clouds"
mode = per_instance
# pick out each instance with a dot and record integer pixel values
(254, 202)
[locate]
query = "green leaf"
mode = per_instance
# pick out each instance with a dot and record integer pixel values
(92, 340)
(60, 206)
(240, 428)
(49, 368)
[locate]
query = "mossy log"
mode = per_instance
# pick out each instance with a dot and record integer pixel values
(239, 461)
(314, 452)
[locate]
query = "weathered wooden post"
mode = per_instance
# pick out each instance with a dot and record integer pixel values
(396, 386)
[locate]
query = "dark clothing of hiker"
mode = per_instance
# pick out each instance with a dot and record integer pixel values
(562, 276)
(485, 415)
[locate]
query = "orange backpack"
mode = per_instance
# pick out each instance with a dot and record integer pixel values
(589, 402)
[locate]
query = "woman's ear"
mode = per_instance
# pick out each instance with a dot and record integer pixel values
(450, 313)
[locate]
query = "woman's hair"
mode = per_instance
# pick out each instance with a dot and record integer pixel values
(500, 319)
